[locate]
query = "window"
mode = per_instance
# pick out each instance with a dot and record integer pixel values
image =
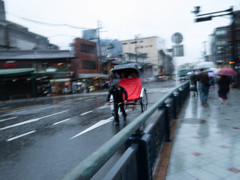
(89, 64)
(221, 32)
(220, 42)
(124, 43)
(87, 48)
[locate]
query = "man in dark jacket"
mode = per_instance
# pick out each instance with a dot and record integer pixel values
(117, 92)
(203, 86)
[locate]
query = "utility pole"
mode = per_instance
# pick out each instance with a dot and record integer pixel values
(99, 26)
(136, 52)
(205, 50)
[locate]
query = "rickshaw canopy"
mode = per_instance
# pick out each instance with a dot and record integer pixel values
(120, 67)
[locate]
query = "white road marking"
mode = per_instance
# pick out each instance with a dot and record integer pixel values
(102, 107)
(25, 134)
(30, 121)
(100, 123)
(85, 113)
(61, 121)
(8, 119)
(89, 99)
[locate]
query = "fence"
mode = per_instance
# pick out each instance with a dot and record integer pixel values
(143, 144)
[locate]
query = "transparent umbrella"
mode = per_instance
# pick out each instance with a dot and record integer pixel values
(204, 65)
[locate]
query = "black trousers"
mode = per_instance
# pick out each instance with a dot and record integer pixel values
(116, 111)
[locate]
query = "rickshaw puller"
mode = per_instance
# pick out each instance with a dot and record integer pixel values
(117, 91)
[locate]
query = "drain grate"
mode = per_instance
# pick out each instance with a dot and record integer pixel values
(193, 121)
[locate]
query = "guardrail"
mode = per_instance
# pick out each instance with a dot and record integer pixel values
(142, 144)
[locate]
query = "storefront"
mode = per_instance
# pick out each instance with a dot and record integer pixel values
(93, 81)
(17, 84)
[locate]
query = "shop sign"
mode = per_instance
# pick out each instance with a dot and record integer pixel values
(10, 64)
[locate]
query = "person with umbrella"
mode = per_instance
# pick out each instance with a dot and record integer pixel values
(193, 82)
(224, 82)
(203, 86)
(117, 92)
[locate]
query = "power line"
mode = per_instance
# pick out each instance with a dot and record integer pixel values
(48, 24)
(65, 35)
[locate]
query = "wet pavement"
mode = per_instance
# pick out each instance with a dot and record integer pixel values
(44, 138)
(206, 143)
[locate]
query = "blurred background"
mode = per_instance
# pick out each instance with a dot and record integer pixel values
(61, 45)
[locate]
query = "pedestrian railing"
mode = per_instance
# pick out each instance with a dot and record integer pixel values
(142, 142)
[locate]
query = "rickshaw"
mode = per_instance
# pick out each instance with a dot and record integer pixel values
(129, 76)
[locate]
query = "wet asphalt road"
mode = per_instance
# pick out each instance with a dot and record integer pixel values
(45, 138)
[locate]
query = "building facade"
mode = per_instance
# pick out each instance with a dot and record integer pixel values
(223, 39)
(167, 67)
(16, 37)
(28, 74)
(147, 45)
(221, 52)
(86, 63)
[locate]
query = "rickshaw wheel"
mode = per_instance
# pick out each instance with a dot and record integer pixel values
(144, 102)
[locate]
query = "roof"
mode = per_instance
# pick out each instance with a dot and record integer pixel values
(30, 54)
(139, 38)
(16, 72)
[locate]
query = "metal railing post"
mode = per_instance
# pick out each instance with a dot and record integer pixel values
(165, 107)
(174, 104)
(144, 168)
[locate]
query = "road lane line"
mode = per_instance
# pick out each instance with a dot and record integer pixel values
(53, 114)
(102, 107)
(85, 113)
(100, 123)
(30, 121)
(19, 124)
(8, 119)
(20, 108)
(22, 135)
(61, 121)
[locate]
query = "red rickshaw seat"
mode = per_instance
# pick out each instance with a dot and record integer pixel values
(133, 87)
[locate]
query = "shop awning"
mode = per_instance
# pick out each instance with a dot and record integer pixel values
(16, 72)
(60, 80)
(67, 73)
(92, 75)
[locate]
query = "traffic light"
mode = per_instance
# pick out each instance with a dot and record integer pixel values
(209, 18)
(196, 10)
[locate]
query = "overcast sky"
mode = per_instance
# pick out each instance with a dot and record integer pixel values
(122, 19)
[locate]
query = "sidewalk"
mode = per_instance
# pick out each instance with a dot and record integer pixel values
(206, 143)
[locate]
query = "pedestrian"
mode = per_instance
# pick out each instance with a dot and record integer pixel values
(117, 92)
(224, 83)
(203, 86)
(193, 82)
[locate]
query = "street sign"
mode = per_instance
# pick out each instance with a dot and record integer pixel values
(178, 51)
(177, 38)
